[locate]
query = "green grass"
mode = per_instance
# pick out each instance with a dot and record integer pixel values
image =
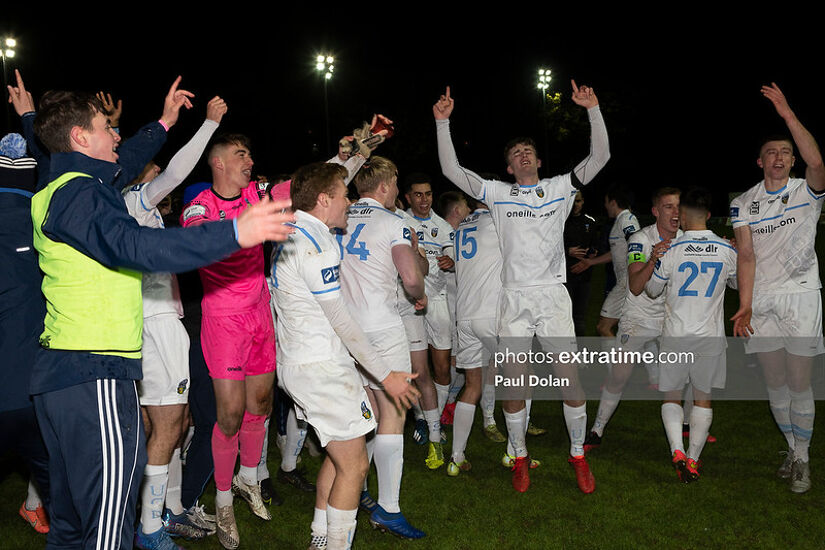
(638, 503)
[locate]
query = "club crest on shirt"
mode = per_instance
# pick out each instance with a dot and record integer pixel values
(625, 338)
(365, 411)
(434, 231)
(182, 386)
(754, 208)
(514, 190)
(540, 192)
(785, 198)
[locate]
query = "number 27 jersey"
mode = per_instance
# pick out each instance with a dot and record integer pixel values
(695, 269)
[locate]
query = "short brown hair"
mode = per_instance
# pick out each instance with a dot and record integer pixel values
(517, 141)
(225, 140)
(312, 180)
(60, 112)
(375, 171)
(663, 192)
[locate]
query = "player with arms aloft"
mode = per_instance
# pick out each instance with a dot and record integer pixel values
(529, 217)
(692, 276)
(775, 224)
(316, 334)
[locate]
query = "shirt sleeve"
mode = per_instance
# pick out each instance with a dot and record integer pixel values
(196, 213)
(656, 285)
(91, 218)
(320, 273)
(137, 151)
(180, 166)
(400, 233)
(630, 225)
(636, 249)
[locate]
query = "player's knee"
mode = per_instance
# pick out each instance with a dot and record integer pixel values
(229, 422)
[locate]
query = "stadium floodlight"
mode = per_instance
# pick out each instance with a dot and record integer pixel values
(324, 64)
(544, 79)
(7, 51)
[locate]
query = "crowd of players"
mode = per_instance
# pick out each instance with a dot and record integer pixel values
(377, 310)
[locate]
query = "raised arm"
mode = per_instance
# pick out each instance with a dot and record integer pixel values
(466, 180)
(185, 160)
(23, 103)
(599, 146)
(805, 142)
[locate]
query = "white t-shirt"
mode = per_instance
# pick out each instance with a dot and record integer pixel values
(625, 225)
(305, 271)
(478, 266)
(368, 274)
(783, 227)
(693, 275)
(435, 236)
(639, 249)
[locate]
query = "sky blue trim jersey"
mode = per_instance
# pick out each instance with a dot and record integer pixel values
(305, 271)
(693, 275)
(783, 226)
(368, 273)
(530, 225)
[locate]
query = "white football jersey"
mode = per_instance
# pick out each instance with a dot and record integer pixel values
(693, 275)
(160, 290)
(639, 249)
(625, 225)
(478, 266)
(305, 271)
(368, 274)
(783, 227)
(530, 226)
(435, 236)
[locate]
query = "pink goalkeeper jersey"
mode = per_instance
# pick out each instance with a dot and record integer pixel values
(235, 284)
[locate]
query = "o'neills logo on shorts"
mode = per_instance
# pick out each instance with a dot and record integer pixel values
(365, 411)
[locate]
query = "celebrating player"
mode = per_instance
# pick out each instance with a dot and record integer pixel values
(315, 330)
(529, 218)
(376, 251)
(642, 317)
(237, 335)
(164, 390)
(692, 276)
(431, 326)
(774, 224)
(84, 376)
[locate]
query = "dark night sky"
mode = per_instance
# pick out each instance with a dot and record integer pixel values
(680, 94)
